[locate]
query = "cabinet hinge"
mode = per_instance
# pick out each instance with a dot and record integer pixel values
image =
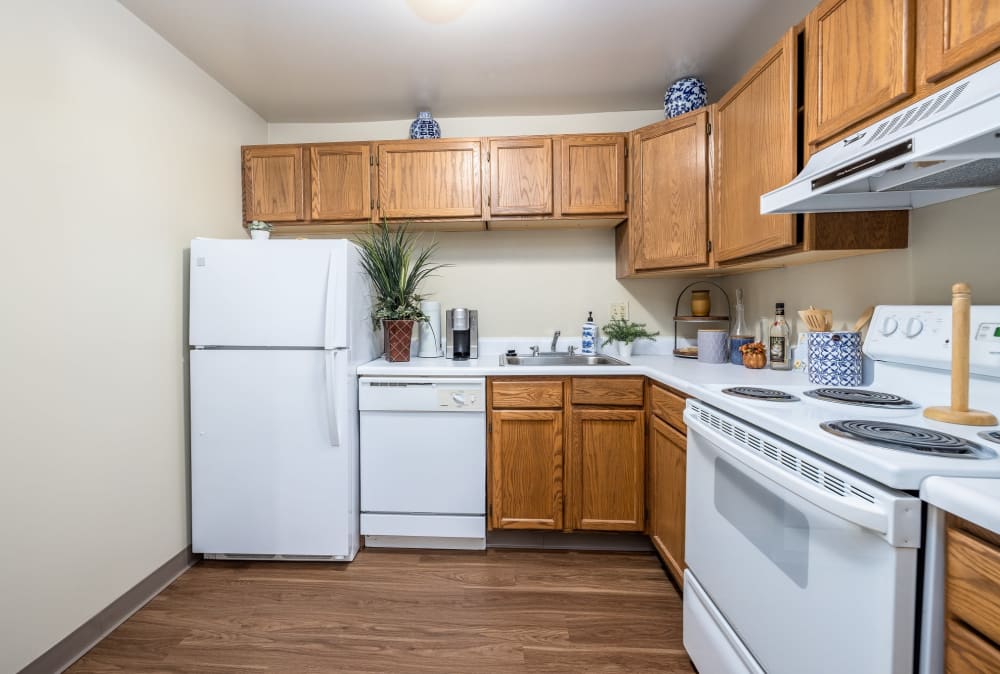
(487, 155)
(489, 426)
(626, 150)
(373, 204)
(626, 197)
(371, 160)
(708, 129)
(489, 200)
(708, 246)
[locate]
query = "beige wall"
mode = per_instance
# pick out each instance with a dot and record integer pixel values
(524, 283)
(954, 241)
(117, 151)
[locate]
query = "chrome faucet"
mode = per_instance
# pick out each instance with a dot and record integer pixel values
(571, 349)
(534, 351)
(555, 340)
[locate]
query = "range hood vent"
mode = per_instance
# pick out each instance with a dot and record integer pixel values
(942, 147)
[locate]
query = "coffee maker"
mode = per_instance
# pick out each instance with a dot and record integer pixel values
(461, 334)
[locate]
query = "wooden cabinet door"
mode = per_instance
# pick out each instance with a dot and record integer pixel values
(668, 468)
(520, 176)
(526, 469)
(273, 187)
(341, 181)
(670, 174)
(606, 490)
(592, 176)
(859, 61)
(755, 152)
(959, 32)
(430, 179)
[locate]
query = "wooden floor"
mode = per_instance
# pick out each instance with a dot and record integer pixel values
(402, 611)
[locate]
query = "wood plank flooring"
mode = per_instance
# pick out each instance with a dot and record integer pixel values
(408, 611)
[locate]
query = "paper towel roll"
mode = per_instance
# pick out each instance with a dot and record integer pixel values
(430, 331)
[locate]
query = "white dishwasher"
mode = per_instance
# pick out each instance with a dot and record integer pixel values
(423, 462)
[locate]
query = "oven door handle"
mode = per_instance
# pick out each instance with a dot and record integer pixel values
(866, 515)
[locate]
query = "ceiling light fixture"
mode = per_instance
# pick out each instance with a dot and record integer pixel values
(439, 11)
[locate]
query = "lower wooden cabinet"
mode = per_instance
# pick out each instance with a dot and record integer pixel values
(668, 471)
(972, 599)
(561, 465)
(606, 470)
(526, 469)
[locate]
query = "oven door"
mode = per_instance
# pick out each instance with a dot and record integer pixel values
(811, 568)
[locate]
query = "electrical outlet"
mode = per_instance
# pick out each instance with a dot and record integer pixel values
(619, 311)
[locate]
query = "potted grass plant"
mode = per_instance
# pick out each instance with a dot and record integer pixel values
(396, 269)
(623, 333)
(259, 229)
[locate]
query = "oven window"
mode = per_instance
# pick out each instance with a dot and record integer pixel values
(774, 527)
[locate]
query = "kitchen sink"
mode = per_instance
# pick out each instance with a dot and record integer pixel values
(559, 359)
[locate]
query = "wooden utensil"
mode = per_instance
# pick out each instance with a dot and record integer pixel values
(817, 320)
(866, 316)
(959, 412)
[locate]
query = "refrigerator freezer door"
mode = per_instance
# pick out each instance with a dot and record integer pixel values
(265, 477)
(269, 293)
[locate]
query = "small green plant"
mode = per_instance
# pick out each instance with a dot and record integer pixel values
(396, 270)
(259, 226)
(622, 330)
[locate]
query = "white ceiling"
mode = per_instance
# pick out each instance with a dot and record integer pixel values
(368, 60)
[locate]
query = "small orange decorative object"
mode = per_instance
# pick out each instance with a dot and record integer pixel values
(754, 355)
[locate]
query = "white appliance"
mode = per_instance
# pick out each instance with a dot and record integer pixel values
(423, 462)
(277, 329)
(942, 147)
(806, 540)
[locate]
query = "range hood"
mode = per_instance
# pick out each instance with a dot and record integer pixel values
(942, 147)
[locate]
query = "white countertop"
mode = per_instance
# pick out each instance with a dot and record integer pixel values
(974, 499)
(687, 375)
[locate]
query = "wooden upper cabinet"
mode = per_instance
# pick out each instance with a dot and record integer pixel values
(607, 470)
(667, 490)
(669, 220)
(959, 33)
(273, 183)
(430, 179)
(520, 176)
(859, 62)
(526, 469)
(593, 174)
(755, 152)
(341, 181)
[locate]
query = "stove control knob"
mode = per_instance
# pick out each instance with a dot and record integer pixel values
(889, 326)
(913, 327)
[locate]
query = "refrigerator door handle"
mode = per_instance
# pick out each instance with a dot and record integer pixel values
(330, 380)
(335, 321)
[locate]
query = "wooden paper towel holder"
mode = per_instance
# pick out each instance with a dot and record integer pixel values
(959, 412)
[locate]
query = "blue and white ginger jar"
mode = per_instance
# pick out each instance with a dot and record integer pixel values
(424, 126)
(684, 95)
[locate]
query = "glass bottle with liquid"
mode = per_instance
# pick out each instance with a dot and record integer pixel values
(741, 333)
(778, 345)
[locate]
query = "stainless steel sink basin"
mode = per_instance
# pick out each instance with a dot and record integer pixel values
(559, 359)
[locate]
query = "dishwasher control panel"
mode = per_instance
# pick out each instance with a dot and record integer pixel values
(422, 394)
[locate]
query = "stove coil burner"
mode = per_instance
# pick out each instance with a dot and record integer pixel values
(756, 393)
(863, 398)
(992, 436)
(908, 438)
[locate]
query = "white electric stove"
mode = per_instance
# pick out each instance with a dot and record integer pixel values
(812, 493)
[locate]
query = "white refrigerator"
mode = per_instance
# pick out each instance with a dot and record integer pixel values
(277, 329)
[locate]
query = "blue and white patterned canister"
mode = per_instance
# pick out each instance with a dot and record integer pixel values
(684, 95)
(835, 358)
(425, 126)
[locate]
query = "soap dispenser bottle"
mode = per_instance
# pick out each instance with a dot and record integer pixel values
(588, 346)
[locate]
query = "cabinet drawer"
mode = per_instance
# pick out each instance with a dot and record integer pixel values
(668, 405)
(606, 391)
(973, 590)
(968, 653)
(527, 394)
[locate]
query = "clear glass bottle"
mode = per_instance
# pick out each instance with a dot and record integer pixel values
(778, 347)
(741, 333)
